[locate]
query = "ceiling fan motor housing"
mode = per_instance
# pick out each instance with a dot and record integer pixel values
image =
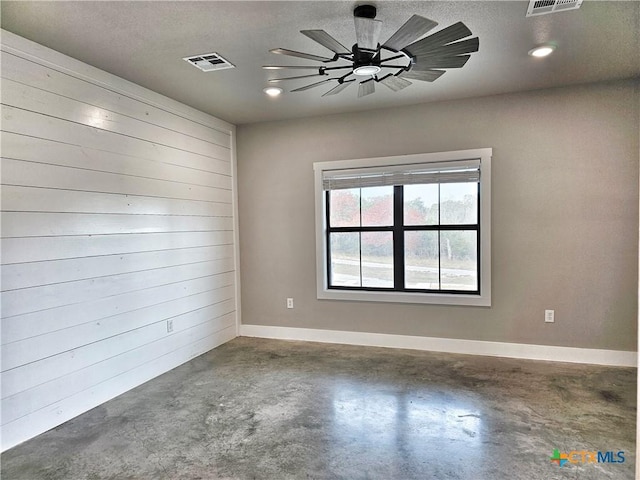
(364, 57)
(365, 11)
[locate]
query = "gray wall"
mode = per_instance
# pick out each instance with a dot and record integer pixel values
(565, 215)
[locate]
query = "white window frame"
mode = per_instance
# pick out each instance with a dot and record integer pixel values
(482, 300)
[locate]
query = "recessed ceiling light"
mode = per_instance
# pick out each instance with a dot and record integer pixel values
(272, 91)
(542, 50)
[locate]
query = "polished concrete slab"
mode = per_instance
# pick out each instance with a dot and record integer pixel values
(266, 409)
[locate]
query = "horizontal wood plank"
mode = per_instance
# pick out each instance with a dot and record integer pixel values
(35, 100)
(26, 300)
(37, 224)
(150, 341)
(32, 124)
(25, 173)
(42, 199)
(22, 327)
(36, 373)
(36, 274)
(51, 80)
(37, 249)
(172, 165)
(43, 346)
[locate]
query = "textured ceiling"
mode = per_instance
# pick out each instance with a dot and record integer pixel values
(145, 41)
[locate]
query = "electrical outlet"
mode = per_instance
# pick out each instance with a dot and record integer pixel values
(289, 302)
(549, 316)
(169, 326)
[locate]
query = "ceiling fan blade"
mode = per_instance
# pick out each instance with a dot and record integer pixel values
(288, 67)
(275, 80)
(459, 48)
(367, 87)
(367, 32)
(452, 33)
(313, 85)
(411, 31)
(395, 83)
(293, 53)
(338, 88)
(326, 40)
(425, 63)
(423, 75)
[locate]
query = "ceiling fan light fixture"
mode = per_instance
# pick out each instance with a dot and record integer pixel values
(366, 70)
(407, 53)
(273, 91)
(542, 50)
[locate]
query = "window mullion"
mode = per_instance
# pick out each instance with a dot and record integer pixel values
(328, 235)
(439, 240)
(398, 238)
(360, 236)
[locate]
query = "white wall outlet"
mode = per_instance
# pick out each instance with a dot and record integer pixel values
(169, 326)
(549, 316)
(289, 302)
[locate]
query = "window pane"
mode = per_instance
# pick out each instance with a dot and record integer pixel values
(377, 259)
(459, 260)
(421, 204)
(377, 206)
(345, 259)
(344, 208)
(458, 203)
(421, 260)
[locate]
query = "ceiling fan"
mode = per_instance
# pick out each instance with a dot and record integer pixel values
(405, 55)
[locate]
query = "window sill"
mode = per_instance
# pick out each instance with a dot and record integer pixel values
(406, 297)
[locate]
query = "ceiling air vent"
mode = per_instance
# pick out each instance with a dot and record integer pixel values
(542, 7)
(209, 62)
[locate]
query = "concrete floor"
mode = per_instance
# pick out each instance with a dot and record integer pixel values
(265, 409)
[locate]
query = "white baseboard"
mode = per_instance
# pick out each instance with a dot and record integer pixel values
(450, 345)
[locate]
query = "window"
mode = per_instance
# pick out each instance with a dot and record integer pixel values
(412, 229)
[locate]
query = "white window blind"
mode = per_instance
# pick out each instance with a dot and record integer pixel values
(459, 171)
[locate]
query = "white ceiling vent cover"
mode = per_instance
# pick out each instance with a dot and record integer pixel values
(542, 7)
(209, 62)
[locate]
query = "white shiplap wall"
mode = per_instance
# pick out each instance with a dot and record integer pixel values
(117, 216)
